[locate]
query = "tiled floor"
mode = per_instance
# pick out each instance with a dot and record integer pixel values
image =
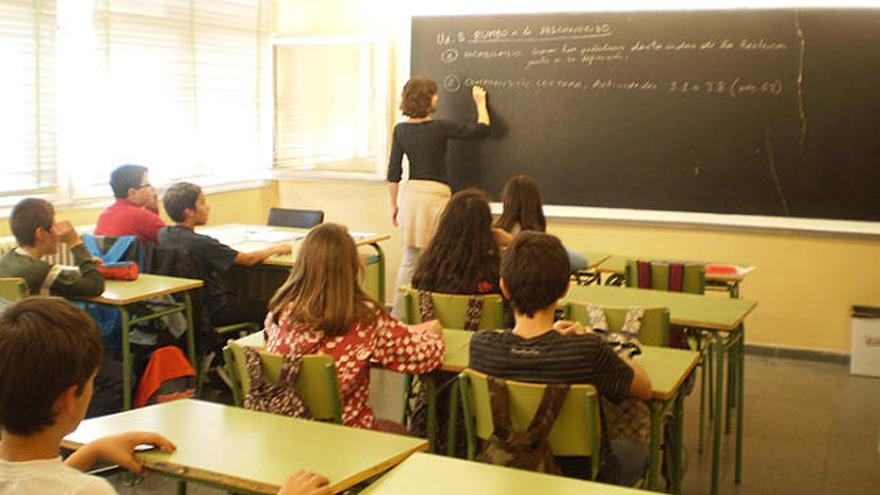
(811, 428)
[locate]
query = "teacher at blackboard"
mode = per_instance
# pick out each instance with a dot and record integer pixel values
(416, 206)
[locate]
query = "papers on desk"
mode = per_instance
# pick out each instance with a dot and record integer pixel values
(271, 236)
(359, 236)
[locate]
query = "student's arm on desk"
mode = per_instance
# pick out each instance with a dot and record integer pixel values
(305, 483)
(88, 281)
(118, 449)
(254, 257)
(640, 387)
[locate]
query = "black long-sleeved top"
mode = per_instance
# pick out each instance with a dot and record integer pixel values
(425, 145)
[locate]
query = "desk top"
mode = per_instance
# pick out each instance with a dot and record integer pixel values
(248, 450)
(692, 310)
(667, 368)
(427, 474)
(248, 237)
(616, 264)
(123, 292)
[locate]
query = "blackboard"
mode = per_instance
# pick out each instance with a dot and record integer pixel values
(773, 112)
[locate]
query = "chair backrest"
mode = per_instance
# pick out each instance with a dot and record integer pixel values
(693, 276)
(286, 217)
(316, 384)
(13, 288)
(451, 309)
(655, 323)
(576, 431)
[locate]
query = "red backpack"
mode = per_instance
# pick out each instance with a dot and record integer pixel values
(168, 376)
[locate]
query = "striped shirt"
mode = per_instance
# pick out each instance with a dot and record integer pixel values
(552, 358)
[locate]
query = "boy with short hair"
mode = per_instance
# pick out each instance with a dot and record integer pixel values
(185, 204)
(136, 209)
(37, 233)
(49, 355)
(535, 273)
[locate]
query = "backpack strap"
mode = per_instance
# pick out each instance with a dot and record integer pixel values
(120, 247)
(426, 305)
(499, 401)
(474, 312)
(290, 370)
(676, 277)
(551, 403)
(91, 243)
(254, 367)
(53, 274)
(598, 318)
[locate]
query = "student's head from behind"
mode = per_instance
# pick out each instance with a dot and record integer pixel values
(323, 289)
(132, 182)
(49, 354)
(185, 203)
(463, 251)
(32, 223)
(522, 205)
(419, 98)
(535, 272)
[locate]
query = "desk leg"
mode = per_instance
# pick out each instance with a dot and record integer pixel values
(452, 432)
(677, 469)
(381, 255)
(191, 339)
(432, 411)
(656, 433)
(718, 343)
(126, 359)
(181, 488)
(740, 407)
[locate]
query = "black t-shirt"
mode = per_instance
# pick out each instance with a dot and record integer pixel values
(552, 358)
(425, 145)
(211, 256)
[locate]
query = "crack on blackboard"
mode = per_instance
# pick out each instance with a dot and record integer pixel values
(800, 84)
(772, 163)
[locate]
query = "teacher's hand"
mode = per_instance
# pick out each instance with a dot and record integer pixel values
(479, 93)
(394, 211)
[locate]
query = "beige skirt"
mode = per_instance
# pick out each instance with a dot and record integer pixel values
(421, 203)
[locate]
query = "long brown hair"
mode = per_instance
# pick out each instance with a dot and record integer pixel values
(323, 289)
(522, 205)
(463, 252)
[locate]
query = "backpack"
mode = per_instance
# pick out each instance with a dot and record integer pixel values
(117, 259)
(627, 339)
(527, 449)
(280, 397)
(169, 376)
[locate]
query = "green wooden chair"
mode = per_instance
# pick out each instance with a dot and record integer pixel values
(576, 432)
(655, 323)
(316, 383)
(693, 282)
(451, 311)
(13, 289)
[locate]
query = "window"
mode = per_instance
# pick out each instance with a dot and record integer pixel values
(331, 105)
(27, 95)
(181, 86)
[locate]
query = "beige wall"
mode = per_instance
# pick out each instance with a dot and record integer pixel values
(246, 206)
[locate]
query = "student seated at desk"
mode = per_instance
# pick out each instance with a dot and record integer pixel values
(322, 309)
(37, 233)
(524, 210)
(49, 354)
(185, 204)
(136, 209)
(534, 276)
(464, 255)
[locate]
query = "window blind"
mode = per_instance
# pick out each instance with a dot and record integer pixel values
(27, 95)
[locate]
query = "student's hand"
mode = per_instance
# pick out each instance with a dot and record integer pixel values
(119, 449)
(479, 94)
(502, 237)
(283, 249)
(152, 203)
(394, 211)
(305, 483)
(566, 327)
(66, 233)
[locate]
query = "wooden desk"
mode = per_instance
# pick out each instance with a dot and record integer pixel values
(723, 317)
(239, 449)
(274, 270)
(615, 267)
(667, 368)
(426, 474)
(121, 294)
